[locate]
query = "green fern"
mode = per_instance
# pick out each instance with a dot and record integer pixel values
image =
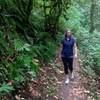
(5, 88)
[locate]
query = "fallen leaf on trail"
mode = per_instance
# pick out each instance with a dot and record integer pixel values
(30, 89)
(47, 95)
(56, 78)
(22, 99)
(60, 72)
(10, 82)
(50, 68)
(58, 82)
(17, 97)
(35, 93)
(56, 97)
(86, 91)
(42, 70)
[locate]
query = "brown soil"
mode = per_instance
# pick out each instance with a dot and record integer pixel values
(75, 89)
(50, 85)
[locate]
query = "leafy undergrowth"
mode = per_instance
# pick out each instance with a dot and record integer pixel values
(45, 87)
(92, 85)
(90, 81)
(47, 84)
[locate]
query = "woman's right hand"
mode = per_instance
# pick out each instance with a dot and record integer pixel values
(59, 56)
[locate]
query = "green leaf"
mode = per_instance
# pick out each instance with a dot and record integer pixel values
(18, 44)
(5, 88)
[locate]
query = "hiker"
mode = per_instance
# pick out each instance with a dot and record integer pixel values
(68, 54)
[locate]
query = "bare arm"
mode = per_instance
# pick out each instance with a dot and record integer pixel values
(60, 50)
(75, 50)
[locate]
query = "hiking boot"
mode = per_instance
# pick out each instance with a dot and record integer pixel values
(72, 76)
(67, 79)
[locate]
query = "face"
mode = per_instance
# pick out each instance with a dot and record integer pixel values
(68, 33)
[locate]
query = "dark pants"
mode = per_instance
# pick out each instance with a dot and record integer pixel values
(68, 64)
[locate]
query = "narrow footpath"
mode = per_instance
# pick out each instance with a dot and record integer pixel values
(75, 89)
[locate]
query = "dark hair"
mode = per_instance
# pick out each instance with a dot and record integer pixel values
(65, 32)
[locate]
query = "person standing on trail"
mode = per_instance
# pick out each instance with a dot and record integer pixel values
(68, 53)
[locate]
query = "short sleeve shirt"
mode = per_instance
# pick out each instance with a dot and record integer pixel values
(67, 49)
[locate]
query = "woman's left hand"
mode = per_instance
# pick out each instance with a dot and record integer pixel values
(75, 56)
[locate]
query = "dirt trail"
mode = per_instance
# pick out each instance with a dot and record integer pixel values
(75, 89)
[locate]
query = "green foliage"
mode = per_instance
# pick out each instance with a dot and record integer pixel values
(71, 18)
(5, 88)
(82, 17)
(16, 60)
(45, 51)
(28, 29)
(24, 43)
(76, 18)
(91, 48)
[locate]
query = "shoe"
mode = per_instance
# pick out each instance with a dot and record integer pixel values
(67, 81)
(72, 75)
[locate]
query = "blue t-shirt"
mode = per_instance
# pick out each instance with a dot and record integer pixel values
(67, 49)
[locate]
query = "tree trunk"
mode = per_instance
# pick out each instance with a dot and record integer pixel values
(92, 10)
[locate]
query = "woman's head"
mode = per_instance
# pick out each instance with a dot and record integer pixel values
(67, 33)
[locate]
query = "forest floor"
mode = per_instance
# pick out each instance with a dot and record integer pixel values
(75, 89)
(49, 84)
